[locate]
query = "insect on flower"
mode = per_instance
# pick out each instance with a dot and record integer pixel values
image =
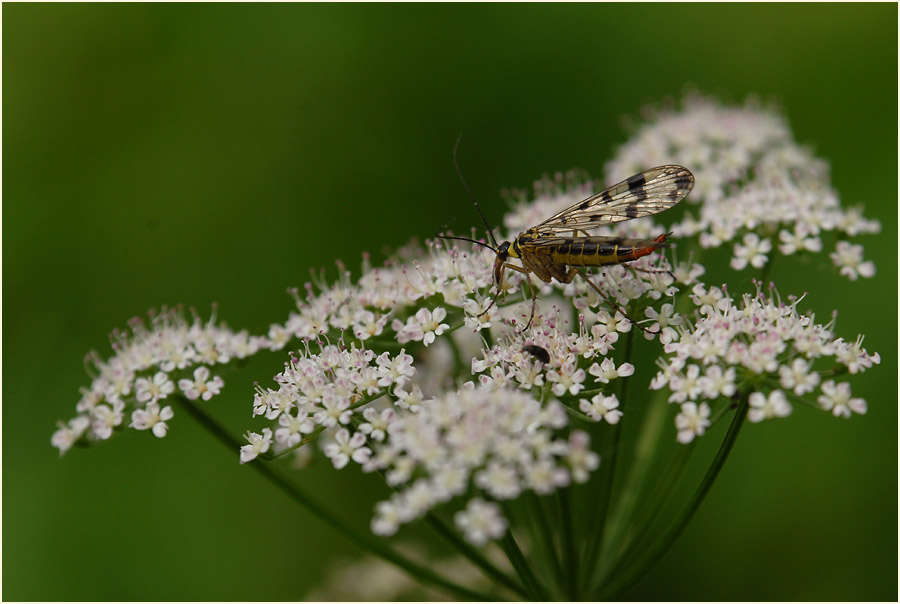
(537, 352)
(561, 246)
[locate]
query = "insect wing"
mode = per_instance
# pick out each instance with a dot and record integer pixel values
(641, 195)
(594, 242)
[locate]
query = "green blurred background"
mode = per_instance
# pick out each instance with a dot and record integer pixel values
(160, 154)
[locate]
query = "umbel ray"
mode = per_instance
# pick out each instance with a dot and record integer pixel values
(561, 246)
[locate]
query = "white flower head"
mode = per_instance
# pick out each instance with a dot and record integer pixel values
(201, 386)
(798, 240)
(106, 418)
(692, 421)
(764, 407)
(158, 387)
(798, 377)
(716, 382)
(582, 460)
(259, 444)
(752, 252)
(388, 518)
(752, 179)
(431, 323)
(292, 428)
(664, 322)
(567, 378)
(601, 408)
(346, 447)
(376, 424)
(152, 418)
(499, 442)
(423, 327)
(849, 258)
(395, 370)
(481, 521)
(68, 434)
(836, 398)
(854, 356)
(686, 386)
(606, 370)
(758, 335)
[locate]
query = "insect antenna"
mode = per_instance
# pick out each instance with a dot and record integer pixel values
(490, 231)
(481, 243)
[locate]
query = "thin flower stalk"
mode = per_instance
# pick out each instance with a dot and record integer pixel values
(627, 578)
(295, 493)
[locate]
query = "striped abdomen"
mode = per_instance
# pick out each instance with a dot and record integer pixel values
(603, 251)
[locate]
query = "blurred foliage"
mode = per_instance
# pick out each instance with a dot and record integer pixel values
(189, 153)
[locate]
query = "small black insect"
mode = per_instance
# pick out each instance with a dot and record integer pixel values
(537, 352)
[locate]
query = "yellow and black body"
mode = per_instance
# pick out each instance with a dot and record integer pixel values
(561, 246)
(548, 256)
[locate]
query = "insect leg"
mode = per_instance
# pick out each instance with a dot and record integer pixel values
(571, 274)
(505, 265)
(650, 271)
(533, 302)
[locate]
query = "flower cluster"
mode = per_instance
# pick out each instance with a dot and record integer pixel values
(374, 412)
(497, 441)
(326, 390)
(147, 364)
(372, 307)
(376, 378)
(491, 442)
(752, 182)
(553, 357)
(758, 345)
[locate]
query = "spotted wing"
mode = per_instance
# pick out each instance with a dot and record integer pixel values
(643, 194)
(594, 242)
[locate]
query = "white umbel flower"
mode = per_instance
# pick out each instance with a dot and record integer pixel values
(152, 418)
(849, 258)
(692, 421)
(481, 521)
(764, 407)
(259, 444)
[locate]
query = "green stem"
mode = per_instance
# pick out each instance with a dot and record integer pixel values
(721, 413)
(570, 557)
(474, 556)
(542, 521)
(312, 436)
(597, 522)
(765, 271)
(775, 385)
(635, 480)
(536, 591)
(486, 567)
(575, 413)
(624, 582)
(369, 544)
(590, 393)
(632, 545)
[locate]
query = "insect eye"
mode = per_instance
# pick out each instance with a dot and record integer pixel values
(503, 250)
